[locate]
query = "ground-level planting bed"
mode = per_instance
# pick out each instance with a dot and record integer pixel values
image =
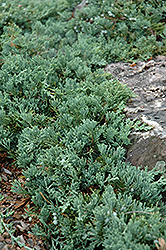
(62, 121)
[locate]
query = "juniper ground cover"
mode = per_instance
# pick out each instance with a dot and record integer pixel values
(62, 120)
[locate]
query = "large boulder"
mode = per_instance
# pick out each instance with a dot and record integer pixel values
(148, 81)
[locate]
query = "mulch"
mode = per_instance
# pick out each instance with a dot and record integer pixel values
(16, 203)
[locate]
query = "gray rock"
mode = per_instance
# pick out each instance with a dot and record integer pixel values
(148, 82)
(146, 149)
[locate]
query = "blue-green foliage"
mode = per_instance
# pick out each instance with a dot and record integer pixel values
(102, 31)
(61, 118)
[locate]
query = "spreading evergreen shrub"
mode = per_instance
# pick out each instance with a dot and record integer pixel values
(62, 119)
